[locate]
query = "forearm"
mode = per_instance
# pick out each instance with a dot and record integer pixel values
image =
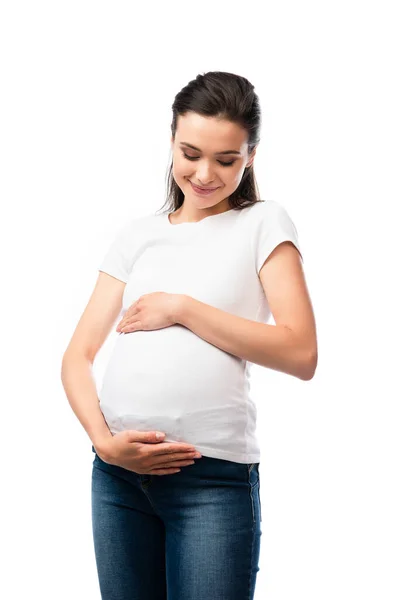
(80, 388)
(272, 346)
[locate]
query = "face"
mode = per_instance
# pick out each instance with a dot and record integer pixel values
(205, 164)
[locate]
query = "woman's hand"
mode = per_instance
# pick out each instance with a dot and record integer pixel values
(152, 311)
(141, 452)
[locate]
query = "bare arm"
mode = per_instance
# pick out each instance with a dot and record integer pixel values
(81, 392)
(92, 330)
(289, 346)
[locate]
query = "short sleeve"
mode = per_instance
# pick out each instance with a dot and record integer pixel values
(116, 261)
(274, 227)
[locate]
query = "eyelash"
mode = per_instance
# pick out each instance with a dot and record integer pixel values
(229, 164)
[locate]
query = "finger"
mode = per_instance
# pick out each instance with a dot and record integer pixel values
(171, 448)
(126, 319)
(131, 326)
(176, 460)
(174, 464)
(158, 462)
(164, 471)
(172, 458)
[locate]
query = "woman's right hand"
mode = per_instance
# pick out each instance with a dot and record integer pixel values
(143, 453)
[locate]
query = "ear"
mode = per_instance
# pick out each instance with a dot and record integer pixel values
(251, 159)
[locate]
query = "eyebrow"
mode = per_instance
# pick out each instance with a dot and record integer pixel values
(217, 153)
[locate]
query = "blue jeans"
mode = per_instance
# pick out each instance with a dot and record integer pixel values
(192, 535)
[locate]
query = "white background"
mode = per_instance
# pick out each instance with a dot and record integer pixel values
(86, 95)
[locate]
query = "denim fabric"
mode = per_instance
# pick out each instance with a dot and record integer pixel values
(192, 535)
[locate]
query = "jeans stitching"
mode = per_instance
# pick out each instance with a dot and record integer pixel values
(252, 504)
(250, 467)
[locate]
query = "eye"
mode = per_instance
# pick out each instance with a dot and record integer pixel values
(224, 164)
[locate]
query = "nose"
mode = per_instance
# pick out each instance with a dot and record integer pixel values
(205, 175)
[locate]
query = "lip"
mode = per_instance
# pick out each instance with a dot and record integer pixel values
(203, 190)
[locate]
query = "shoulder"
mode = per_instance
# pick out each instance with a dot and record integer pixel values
(133, 225)
(269, 207)
(272, 226)
(271, 214)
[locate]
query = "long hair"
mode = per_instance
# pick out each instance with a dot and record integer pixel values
(224, 96)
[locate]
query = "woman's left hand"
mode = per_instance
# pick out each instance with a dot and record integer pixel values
(152, 311)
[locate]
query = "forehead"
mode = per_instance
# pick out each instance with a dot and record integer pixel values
(209, 133)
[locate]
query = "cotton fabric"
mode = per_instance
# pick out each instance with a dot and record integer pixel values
(170, 379)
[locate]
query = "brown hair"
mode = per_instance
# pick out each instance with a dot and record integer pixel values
(224, 96)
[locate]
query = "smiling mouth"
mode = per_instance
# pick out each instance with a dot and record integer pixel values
(202, 188)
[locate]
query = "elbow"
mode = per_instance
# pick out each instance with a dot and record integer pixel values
(64, 366)
(304, 357)
(309, 366)
(70, 357)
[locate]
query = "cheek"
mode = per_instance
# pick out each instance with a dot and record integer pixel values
(181, 168)
(237, 174)
(233, 176)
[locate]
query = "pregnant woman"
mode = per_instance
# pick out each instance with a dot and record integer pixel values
(179, 516)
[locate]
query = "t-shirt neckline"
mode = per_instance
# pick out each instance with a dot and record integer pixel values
(211, 217)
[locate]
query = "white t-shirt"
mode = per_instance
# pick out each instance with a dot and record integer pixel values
(171, 379)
